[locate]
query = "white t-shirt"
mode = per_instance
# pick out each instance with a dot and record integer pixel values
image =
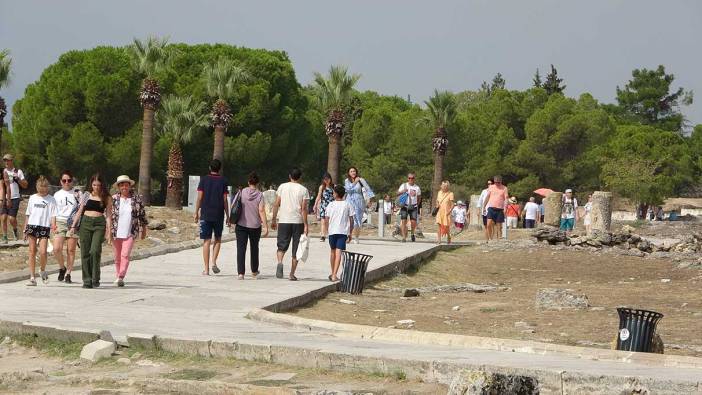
(292, 197)
(570, 206)
(387, 208)
(414, 193)
(65, 202)
(14, 187)
(482, 204)
(339, 213)
(124, 223)
(531, 210)
(459, 215)
(40, 210)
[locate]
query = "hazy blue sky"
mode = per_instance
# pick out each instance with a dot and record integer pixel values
(400, 47)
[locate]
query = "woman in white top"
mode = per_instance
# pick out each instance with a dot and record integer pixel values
(66, 202)
(41, 217)
(587, 221)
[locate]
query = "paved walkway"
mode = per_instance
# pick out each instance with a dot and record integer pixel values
(168, 296)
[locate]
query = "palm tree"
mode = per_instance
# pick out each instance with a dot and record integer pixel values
(148, 59)
(178, 119)
(441, 111)
(5, 63)
(333, 94)
(221, 80)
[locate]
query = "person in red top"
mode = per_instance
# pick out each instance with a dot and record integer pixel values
(496, 197)
(512, 213)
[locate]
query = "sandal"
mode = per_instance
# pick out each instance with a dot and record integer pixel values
(254, 275)
(292, 278)
(215, 269)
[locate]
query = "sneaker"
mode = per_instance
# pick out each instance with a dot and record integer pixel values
(120, 283)
(215, 269)
(96, 285)
(241, 277)
(322, 239)
(116, 281)
(68, 279)
(413, 238)
(279, 271)
(254, 275)
(88, 286)
(31, 283)
(62, 274)
(44, 277)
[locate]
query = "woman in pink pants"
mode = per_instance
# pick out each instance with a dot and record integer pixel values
(128, 222)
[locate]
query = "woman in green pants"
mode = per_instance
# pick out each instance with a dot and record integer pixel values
(94, 229)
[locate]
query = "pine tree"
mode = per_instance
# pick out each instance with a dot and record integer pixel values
(498, 82)
(553, 83)
(537, 79)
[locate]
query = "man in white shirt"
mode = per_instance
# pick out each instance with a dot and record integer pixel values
(292, 200)
(14, 180)
(482, 203)
(410, 198)
(530, 213)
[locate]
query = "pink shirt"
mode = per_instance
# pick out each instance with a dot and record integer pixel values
(498, 196)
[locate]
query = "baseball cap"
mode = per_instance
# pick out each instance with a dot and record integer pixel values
(8, 157)
(569, 190)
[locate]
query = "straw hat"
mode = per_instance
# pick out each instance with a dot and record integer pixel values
(8, 157)
(121, 179)
(460, 203)
(513, 199)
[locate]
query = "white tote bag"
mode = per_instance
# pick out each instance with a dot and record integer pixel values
(303, 249)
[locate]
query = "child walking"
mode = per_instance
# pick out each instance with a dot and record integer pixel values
(340, 214)
(41, 218)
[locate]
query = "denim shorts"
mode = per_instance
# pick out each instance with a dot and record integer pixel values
(338, 242)
(209, 227)
(567, 223)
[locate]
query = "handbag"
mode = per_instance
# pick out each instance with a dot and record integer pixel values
(435, 210)
(235, 208)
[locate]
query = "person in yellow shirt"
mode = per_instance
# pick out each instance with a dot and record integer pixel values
(445, 203)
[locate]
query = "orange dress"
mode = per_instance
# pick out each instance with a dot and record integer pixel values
(444, 200)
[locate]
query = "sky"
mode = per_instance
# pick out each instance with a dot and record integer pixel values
(400, 47)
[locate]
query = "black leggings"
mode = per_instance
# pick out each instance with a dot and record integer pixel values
(243, 235)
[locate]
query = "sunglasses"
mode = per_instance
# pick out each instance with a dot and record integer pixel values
(66, 180)
(410, 178)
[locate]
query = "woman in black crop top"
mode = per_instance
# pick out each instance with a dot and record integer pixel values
(94, 229)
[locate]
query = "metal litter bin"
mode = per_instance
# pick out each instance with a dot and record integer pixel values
(636, 329)
(354, 274)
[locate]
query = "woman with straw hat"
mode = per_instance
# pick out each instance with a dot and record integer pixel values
(128, 222)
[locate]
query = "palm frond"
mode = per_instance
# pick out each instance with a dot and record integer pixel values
(441, 110)
(151, 56)
(333, 92)
(5, 65)
(222, 78)
(180, 117)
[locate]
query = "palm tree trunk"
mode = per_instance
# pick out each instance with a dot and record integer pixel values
(147, 143)
(174, 191)
(333, 157)
(438, 177)
(218, 152)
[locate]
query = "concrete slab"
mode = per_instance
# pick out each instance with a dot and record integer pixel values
(166, 297)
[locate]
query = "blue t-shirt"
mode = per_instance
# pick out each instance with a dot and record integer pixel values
(214, 188)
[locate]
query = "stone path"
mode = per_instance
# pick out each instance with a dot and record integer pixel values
(167, 296)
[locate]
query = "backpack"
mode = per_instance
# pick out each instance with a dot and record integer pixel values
(235, 208)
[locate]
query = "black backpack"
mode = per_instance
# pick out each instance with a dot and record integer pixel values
(235, 208)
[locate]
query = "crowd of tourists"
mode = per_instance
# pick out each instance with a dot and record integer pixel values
(90, 218)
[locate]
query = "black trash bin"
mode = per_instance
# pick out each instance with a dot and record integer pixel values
(636, 329)
(354, 273)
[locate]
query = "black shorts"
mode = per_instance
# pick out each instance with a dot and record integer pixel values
(287, 232)
(409, 211)
(13, 209)
(484, 220)
(496, 215)
(38, 232)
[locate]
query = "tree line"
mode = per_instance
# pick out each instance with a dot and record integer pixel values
(102, 109)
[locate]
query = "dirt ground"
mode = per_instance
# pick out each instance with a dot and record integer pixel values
(28, 370)
(607, 280)
(179, 226)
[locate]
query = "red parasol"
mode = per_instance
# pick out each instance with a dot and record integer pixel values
(543, 191)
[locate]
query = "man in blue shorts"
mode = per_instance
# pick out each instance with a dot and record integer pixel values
(211, 210)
